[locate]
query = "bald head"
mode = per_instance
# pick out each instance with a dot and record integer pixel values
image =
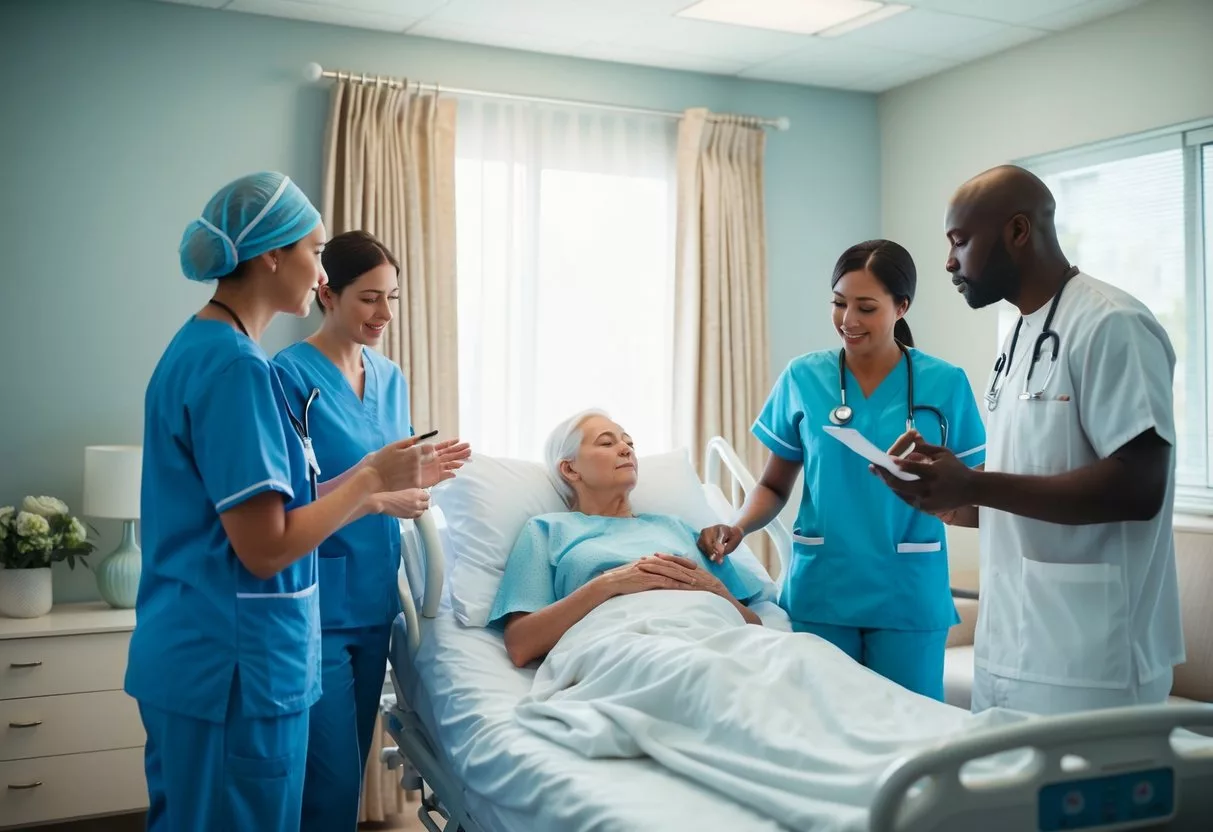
(1003, 238)
(1000, 193)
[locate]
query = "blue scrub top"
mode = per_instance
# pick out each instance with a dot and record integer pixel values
(358, 563)
(215, 435)
(861, 556)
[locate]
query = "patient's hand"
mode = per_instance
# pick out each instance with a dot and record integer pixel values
(408, 504)
(688, 575)
(685, 572)
(631, 578)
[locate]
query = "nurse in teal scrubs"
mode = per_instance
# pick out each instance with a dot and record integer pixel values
(363, 404)
(868, 572)
(224, 660)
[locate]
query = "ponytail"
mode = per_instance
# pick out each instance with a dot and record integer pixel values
(901, 331)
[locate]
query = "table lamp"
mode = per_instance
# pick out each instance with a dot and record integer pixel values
(112, 476)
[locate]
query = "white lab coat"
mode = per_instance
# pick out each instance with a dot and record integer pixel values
(1091, 612)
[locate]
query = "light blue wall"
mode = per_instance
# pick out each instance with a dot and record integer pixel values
(119, 118)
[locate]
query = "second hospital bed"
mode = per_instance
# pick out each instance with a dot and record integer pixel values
(478, 770)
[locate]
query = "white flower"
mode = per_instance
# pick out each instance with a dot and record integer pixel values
(44, 506)
(40, 544)
(32, 525)
(6, 515)
(75, 534)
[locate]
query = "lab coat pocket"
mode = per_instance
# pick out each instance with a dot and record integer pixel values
(1043, 430)
(279, 652)
(1073, 624)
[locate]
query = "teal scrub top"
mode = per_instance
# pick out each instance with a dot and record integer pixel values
(215, 435)
(358, 563)
(861, 557)
(556, 554)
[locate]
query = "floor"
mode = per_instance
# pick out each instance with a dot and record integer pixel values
(135, 823)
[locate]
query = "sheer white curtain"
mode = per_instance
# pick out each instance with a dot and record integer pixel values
(565, 251)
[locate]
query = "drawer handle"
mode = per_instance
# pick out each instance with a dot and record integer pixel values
(31, 724)
(26, 664)
(19, 786)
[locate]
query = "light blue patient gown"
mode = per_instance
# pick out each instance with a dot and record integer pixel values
(357, 565)
(868, 572)
(224, 665)
(556, 554)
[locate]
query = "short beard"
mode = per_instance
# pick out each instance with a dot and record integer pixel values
(999, 280)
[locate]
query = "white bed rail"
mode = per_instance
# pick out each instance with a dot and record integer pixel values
(1099, 770)
(719, 452)
(433, 567)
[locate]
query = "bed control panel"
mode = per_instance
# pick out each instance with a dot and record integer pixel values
(1120, 801)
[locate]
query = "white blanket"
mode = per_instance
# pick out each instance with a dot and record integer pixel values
(784, 723)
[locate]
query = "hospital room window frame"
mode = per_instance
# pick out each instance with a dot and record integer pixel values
(1195, 141)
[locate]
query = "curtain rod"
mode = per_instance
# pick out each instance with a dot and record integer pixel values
(314, 72)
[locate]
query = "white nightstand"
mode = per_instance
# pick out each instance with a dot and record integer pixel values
(71, 741)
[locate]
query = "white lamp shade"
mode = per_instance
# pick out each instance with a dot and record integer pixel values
(112, 476)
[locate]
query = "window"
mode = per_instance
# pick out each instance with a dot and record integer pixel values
(1132, 213)
(565, 245)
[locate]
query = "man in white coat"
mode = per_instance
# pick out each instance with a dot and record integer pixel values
(1079, 605)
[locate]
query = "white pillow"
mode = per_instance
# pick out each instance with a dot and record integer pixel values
(487, 505)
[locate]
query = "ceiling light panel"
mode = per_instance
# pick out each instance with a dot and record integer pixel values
(805, 17)
(883, 13)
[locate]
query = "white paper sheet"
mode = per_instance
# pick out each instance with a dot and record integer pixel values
(858, 443)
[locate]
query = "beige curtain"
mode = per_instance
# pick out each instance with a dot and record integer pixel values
(721, 347)
(382, 796)
(390, 170)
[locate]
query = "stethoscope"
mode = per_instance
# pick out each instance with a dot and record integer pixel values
(843, 414)
(1002, 366)
(301, 427)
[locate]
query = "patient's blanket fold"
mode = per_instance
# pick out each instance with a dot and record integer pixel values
(785, 723)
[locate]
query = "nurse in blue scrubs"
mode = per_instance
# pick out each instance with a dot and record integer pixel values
(225, 656)
(868, 572)
(363, 404)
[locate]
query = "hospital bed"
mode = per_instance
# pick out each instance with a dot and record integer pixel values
(455, 691)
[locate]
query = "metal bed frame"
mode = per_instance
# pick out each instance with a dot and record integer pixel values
(1107, 770)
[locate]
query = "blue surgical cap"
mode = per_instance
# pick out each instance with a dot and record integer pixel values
(250, 216)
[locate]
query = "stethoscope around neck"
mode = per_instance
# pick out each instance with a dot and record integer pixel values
(843, 414)
(301, 428)
(1048, 335)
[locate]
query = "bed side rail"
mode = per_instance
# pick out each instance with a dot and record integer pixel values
(718, 453)
(432, 562)
(1113, 753)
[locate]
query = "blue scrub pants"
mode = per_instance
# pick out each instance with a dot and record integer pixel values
(240, 774)
(354, 664)
(911, 658)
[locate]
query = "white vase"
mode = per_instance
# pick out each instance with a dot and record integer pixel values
(25, 593)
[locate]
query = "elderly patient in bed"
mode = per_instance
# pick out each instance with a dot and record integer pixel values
(648, 651)
(565, 565)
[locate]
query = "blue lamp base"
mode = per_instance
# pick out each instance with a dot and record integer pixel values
(118, 574)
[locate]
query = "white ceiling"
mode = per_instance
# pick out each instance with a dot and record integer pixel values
(933, 36)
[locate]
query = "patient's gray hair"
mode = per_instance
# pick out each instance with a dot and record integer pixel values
(563, 443)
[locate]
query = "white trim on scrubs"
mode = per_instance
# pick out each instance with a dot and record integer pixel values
(861, 556)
